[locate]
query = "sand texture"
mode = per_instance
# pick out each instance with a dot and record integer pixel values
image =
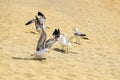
(95, 59)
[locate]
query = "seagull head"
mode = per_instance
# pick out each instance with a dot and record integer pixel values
(63, 35)
(75, 30)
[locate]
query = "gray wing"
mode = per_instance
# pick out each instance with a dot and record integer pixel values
(79, 34)
(41, 18)
(42, 21)
(43, 36)
(30, 22)
(50, 42)
(41, 41)
(37, 26)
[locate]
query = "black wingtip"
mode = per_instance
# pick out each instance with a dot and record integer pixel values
(29, 22)
(56, 33)
(40, 14)
(59, 32)
(53, 34)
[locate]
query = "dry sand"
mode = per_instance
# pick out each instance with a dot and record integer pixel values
(94, 59)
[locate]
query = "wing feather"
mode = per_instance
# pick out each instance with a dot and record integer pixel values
(51, 41)
(30, 22)
(43, 36)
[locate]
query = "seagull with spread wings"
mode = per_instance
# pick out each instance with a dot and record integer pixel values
(41, 18)
(43, 45)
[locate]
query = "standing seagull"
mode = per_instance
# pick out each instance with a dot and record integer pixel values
(43, 45)
(41, 18)
(64, 42)
(78, 35)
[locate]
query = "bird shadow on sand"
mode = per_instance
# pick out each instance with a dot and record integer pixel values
(75, 42)
(20, 58)
(58, 50)
(63, 51)
(85, 38)
(74, 52)
(32, 32)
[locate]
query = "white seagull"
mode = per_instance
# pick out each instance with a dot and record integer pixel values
(41, 18)
(64, 42)
(77, 35)
(43, 45)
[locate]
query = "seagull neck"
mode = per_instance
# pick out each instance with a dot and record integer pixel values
(75, 31)
(42, 26)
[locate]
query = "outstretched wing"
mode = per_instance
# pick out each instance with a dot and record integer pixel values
(30, 22)
(43, 36)
(42, 19)
(51, 41)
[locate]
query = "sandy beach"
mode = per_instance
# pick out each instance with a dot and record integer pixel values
(95, 59)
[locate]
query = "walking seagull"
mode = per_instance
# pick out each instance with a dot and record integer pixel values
(64, 42)
(43, 45)
(41, 18)
(78, 35)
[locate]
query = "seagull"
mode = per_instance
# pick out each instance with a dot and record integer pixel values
(41, 18)
(77, 35)
(43, 45)
(64, 42)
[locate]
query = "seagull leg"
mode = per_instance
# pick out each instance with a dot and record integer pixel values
(36, 57)
(70, 39)
(67, 49)
(63, 47)
(78, 40)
